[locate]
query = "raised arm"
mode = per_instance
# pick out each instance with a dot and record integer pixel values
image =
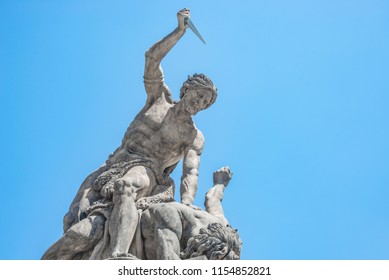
(190, 172)
(153, 75)
(214, 196)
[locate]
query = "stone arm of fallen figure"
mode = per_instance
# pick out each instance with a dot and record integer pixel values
(214, 196)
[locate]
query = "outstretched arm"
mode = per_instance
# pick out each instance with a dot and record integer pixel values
(153, 76)
(191, 165)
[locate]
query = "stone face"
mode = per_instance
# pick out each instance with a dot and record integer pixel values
(126, 209)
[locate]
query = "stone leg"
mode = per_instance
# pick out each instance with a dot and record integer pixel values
(136, 183)
(79, 238)
(168, 247)
(162, 231)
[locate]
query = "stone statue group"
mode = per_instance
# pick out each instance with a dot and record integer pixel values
(126, 208)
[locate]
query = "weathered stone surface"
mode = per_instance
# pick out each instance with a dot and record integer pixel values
(125, 209)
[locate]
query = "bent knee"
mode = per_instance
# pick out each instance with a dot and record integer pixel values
(138, 180)
(124, 187)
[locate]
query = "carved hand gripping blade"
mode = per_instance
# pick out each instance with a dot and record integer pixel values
(194, 29)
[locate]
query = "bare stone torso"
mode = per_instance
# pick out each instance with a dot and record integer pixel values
(159, 134)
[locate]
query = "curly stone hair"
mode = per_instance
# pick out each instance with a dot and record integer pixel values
(216, 242)
(196, 82)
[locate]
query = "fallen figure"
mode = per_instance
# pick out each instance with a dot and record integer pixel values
(166, 231)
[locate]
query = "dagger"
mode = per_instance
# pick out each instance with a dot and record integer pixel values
(194, 29)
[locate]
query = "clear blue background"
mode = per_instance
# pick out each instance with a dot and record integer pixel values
(302, 115)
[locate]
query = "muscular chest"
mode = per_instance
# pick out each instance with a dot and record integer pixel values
(173, 136)
(166, 127)
(159, 133)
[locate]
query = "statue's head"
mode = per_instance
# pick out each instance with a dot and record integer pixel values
(197, 93)
(216, 242)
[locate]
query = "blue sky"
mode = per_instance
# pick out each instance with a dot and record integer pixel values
(302, 115)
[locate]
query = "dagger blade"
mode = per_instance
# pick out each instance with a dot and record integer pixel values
(194, 29)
